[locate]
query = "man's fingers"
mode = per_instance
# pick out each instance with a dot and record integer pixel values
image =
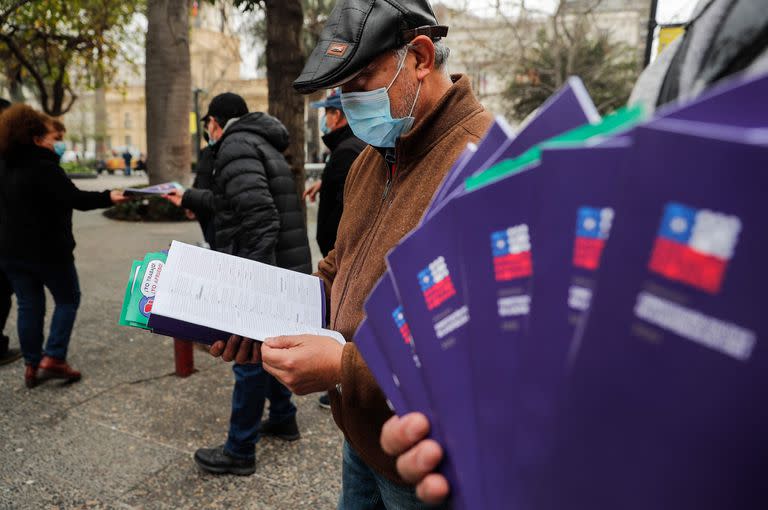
(217, 348)
(400, 434)
(256, 353)
(419, 461)
(280, 342)
(230, 351)
(244, 352)
(433, 489)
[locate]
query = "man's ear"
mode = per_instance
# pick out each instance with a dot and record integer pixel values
(424, 50)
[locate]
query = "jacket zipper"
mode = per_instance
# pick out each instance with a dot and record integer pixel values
(391, 174)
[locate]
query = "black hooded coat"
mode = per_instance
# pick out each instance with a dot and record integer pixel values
(252, 200)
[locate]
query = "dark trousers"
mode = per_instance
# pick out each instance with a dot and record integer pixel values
(29, 280)
(252, 386)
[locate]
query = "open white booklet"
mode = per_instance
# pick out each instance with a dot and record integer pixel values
(203, 295)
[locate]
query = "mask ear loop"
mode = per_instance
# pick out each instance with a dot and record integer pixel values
(413, 106)
(399, 68)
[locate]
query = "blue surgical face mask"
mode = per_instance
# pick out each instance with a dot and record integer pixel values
(369, 114)
(324, 126)
(59, 148)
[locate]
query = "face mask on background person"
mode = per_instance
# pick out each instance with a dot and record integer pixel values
(324, 126)
(369, 114)
(59, 147)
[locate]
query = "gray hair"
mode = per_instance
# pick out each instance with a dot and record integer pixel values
(442, 52)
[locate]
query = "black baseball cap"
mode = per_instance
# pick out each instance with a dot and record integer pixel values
(357, 31)
(226, 106)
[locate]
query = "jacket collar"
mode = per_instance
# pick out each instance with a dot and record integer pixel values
(335, 137)
(34, 153)
(457, 104)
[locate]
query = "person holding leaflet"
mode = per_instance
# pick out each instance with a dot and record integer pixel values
(251, 211)
(36, 240)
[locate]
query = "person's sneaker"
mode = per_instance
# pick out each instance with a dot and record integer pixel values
(30, 376)
(52, 368)
(287, 430)
(324, 401)
(219, 462)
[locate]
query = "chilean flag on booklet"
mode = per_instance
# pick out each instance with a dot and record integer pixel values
(593, 225)
(436, 284)
(402, 325)
(693, 246)
(511, 253)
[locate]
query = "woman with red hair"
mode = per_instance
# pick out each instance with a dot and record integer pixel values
(36, 241)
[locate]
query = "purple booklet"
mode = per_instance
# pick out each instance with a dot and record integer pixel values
(396, 344)
(568, 108)
(366, 343)
(424, 268)
(664, 407)
(492, 228)
(574, 203)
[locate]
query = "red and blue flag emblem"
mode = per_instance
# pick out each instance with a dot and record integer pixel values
(436, 284)
(593, 226)
(402, 325)
(511, 250)
(693, 246)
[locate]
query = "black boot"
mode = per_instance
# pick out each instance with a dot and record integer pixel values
(219, 462)
(7, 355)
(287, 430)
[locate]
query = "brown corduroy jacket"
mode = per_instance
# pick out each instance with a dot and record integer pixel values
(382, 203)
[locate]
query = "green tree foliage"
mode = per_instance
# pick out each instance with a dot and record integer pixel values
(57, 46)
(607, 68)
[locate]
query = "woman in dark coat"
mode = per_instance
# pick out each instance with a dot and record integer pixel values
(36, 241)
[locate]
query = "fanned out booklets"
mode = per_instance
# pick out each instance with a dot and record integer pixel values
(201, 295)
(157, 189)
(580, 311)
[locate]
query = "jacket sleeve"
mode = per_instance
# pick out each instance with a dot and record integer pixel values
(246, 190)
(337, 169)
(199, 201)
(60, 189)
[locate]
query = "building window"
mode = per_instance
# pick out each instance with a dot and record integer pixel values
(128, 141)
(127, 120)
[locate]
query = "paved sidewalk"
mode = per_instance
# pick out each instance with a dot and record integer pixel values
(124, 436)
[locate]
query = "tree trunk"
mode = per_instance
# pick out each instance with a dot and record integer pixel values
(100, 121)
(285, 60)
(314, 144)
(168, 91)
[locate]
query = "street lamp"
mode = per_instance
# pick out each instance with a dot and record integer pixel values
(195, 95)
(651, 30)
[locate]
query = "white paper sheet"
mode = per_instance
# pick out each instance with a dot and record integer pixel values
(238, 295)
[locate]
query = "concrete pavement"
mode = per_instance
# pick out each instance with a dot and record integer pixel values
(124, 436)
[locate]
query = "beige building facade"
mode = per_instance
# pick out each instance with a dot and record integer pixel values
(215, 66)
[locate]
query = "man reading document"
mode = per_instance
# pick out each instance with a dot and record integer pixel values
(389, 59)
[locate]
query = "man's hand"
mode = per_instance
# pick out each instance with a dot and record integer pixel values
(242, 350)
(417, 457)
(174, 196)
(303, 363)
(312, 191)
(117, 196)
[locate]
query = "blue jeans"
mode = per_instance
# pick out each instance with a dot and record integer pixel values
(364, 489)
(252, 386)
(28, 280)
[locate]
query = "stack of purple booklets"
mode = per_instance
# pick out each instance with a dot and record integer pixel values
(579, 313)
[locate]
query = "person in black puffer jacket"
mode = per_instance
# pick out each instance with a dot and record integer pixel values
(256, 214)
